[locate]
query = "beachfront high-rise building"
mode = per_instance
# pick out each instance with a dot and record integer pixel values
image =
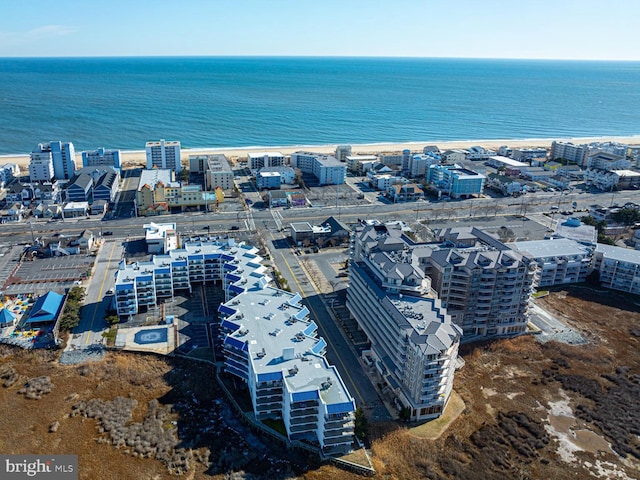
(164, 154)
(270, 343)
(326, 168)
(102, 157)
(414, 343)
(568, 151)
(41, 165)
(52, 160)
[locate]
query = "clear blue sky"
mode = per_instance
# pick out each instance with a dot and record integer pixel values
(563, 29)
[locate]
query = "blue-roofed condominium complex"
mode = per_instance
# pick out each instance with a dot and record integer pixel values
(269, 341)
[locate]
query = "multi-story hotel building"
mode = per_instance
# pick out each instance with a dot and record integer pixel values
(40, 166)
(52, 160)
(484, 285)
(568, 151)
(219, 173)
(457, 182)
(258, 160)
(326, 168)
(269, 341)
(159, 194)
(102, 157)
(414, 344)
(216, 169)
(164, 154)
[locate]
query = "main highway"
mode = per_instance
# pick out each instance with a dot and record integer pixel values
(256, 218)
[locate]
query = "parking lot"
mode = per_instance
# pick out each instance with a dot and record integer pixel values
(43, 274)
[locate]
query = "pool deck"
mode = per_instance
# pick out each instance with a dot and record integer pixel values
(129, 339)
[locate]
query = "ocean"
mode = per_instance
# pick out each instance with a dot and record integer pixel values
(233, 102)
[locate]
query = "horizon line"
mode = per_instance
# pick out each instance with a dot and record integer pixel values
(258, 56)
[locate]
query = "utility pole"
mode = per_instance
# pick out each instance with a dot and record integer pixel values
(33, 238)
(206, 194)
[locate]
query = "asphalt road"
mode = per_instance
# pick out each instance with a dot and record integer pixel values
(96, 302)
(340, 352)
(530, 204)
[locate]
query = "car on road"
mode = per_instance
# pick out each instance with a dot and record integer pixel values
(235, 227)
(107, 233)
(110, 291)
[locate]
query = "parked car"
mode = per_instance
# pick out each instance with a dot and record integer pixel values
(108, 232)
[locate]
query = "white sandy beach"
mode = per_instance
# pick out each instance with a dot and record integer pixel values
(138, 156)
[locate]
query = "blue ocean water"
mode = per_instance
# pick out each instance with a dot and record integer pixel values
(219, 102)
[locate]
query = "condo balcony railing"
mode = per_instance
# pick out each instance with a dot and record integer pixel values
(338, 426)
(345, 439)
(268, 407)
(268, 391)
(307, 426)
(269, 399)
(307, 412)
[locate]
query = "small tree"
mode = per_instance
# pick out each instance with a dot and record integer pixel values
(297, 178)
(112, 319)
(627, 216)
(404, 414)
(361, 428)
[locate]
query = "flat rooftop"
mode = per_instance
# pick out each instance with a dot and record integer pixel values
(557, 247)
(281, 340)
(509, 162)
(618, 253)
(264, 154)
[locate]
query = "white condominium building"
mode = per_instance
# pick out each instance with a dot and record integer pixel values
(164, 154)
(216, 169)
(568, 151)
(619, 268)
(414, 344)
(219, 173)
(102, 157)
(355, 163)
(559, 260)
(270, 343)
(52, 160)
(258, 160)
(326, 168)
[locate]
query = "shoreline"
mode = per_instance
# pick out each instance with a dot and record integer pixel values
(131, 156)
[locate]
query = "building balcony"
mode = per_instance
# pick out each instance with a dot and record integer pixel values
(307, 412)
(300, 427)
(346, 438)
(268, 407)
(269, 399)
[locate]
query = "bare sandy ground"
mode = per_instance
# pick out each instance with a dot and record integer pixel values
(138, 156)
